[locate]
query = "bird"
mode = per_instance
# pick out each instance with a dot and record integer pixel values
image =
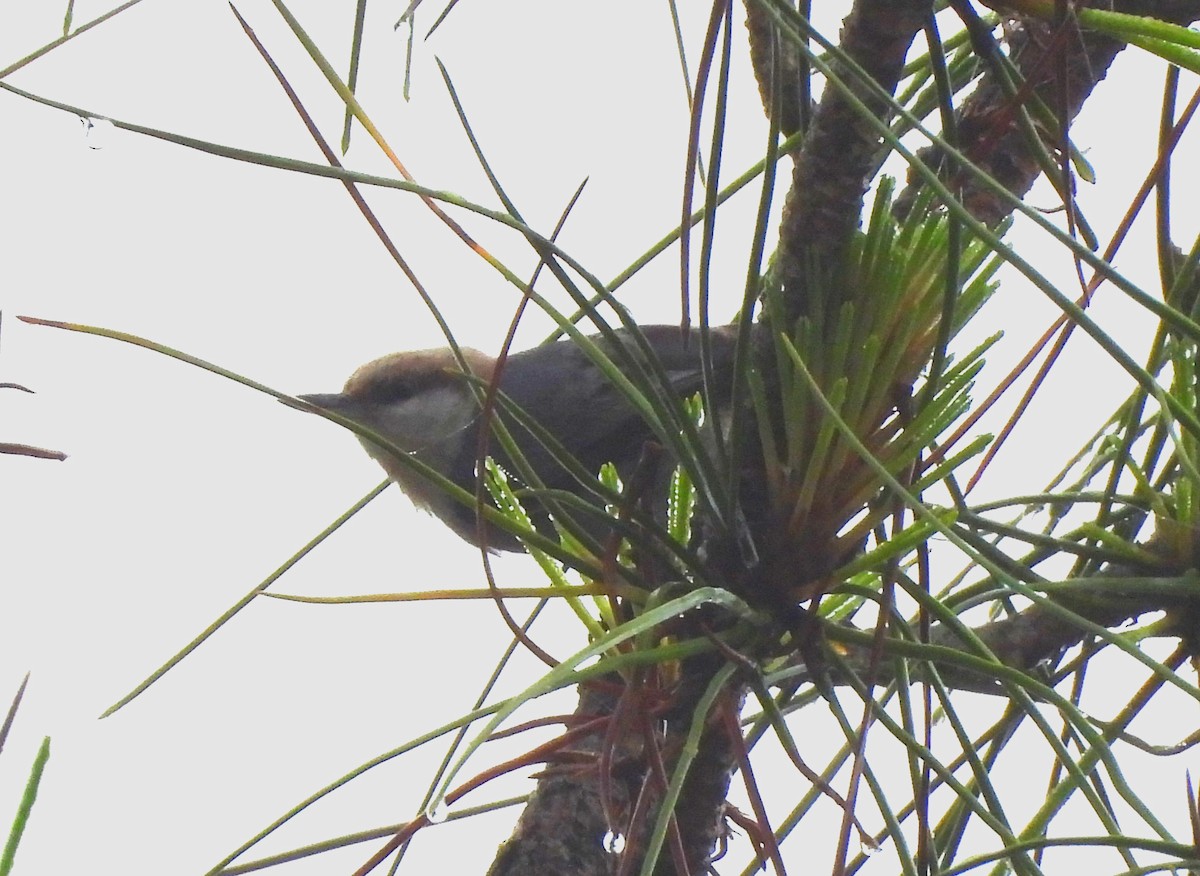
(423, 403)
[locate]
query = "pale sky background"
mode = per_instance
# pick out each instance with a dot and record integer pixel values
(182, 490)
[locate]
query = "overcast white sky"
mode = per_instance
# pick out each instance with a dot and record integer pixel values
(182, 490)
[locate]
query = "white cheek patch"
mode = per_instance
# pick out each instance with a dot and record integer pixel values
(425, 421)
(428, 427)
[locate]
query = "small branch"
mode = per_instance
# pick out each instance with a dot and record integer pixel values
(563, 826)
(780, 70)
(830, 177)
(1039, 634)
(1061, 72)
(29, 450)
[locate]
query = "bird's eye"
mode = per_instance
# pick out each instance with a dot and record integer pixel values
(397, 387)
(392, 390)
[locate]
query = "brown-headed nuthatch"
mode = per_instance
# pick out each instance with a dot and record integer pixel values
(423, 403)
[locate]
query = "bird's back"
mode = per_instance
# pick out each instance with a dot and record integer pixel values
(574, 401)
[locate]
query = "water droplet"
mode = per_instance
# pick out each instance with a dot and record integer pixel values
(614, 842)
(437, 811)
(868, 846)
(97, 132)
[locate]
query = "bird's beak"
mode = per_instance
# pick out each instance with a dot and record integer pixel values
(332, 401)
(329, 401)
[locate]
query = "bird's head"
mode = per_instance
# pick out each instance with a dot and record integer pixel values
(420, 401)
(423, 404)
